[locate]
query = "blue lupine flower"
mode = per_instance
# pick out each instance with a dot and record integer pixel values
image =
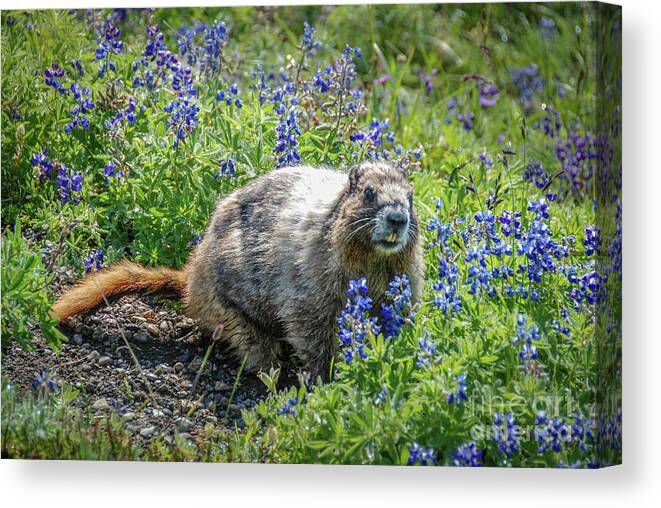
(506, 434)
(309, 43)
(52, 77)
(43, 384)
(287, 140)
(525, 337)
(215, 39)
(110, 170)
(69, 182)
(426, 351)
(186, 44)
(289, 408)
(592, 240)
(94, 260)
(468, 455)
(83, 106)
(122, 116)
(355, 321)
(488, 96)
(397, 311)
(109, 45)
(460, 395)
(230, 96)
(227, 168)
(418, 455)
(535, 174)
(41, 162)
(183, 117)
(528, 82)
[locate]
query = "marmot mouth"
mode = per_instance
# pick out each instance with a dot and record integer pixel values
(389, 246)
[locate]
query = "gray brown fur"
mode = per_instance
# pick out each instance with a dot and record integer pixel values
(275, 262)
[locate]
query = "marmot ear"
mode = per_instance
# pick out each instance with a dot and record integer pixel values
(354, 176)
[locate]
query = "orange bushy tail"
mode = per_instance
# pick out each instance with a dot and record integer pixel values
(122, 278)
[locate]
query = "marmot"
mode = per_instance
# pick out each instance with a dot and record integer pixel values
(276, 259)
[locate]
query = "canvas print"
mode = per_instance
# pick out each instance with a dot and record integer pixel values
(359, 234)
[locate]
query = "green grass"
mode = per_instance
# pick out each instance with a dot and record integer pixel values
(167, 194)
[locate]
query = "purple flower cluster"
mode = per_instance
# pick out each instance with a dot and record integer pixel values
(398, 310)
(419, 455)
(230, 96)
(426, 352)
(128, 114)
(84, 105)
(44, 384)
(592, 241)
(534, 173)
(109, 171)
(69, 183)
(42, 163)
(183, 117)
(310, 44)
(94, 260)
(215, 39)
(506, 434)
(528, 81)
(355, 321)
(227, 168)
(287, 132)
(556, 433)
(524, 338)
(52, 77)
(289, 407)
(458, 396)
(109, 44)
(468, 455)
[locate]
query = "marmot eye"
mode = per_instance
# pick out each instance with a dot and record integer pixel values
(369, 194)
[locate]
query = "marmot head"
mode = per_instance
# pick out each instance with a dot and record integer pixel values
(380, 215)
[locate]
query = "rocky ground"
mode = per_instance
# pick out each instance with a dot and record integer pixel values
(158, 397)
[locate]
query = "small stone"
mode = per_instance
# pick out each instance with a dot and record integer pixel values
(77, 339)
(98, 334)
(185, 424)
(104, 360)
(128, 416)
(221, 386)
(165, 326)
(235, 408)
(141, 337)
(157, 413)
(101, 405)
(153, 329)
(94, 356)
(148, 432)
(185, 435)
(178, 367)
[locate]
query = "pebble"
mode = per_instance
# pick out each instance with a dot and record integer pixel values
(94, 356)
(128, 416)
(98, 334)
(78, 339)
(185, 435)
(141, 337)
(178, 367)
(101, 405)
(165, 326)
(105, 360)
(153, 329)
(148, 432)
(221, 386)
(185, 424)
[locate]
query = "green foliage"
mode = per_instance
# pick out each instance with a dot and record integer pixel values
(25, 300)
(421, 67)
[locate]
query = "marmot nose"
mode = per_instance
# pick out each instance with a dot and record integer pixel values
(396, 219)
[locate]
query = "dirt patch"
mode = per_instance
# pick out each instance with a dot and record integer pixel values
(159, 396)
